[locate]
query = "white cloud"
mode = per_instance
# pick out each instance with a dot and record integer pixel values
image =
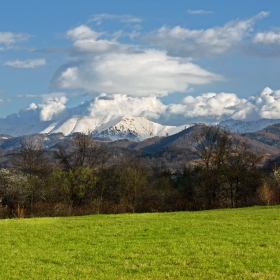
(266, 104)
(29, 63)
(207, 108)
(100, 65)
(52, 108)
(88, 42)
(27, 96)
(213, 107)
(97, 47)
(99, 18)
(106, 66)
(214, 41)
(9, 38)
(30, 95)
(53, 96)
(48, 110)
(210, 104)
(267, 38)
(29, 114)
(1, 100)
(137, 74)
(120, 104)
(82, 32)
(199, 12)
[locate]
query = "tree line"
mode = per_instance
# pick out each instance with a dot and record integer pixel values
(80, 178)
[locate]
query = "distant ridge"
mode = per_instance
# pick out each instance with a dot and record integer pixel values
(170, 152)
(239, 126)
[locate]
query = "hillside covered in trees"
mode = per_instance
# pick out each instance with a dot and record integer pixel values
(205, 168)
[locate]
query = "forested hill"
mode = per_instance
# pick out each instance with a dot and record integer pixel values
(172, 151)
(203, 167)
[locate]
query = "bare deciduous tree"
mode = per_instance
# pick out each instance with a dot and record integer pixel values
(82, 152)
(230, 169)
(29, 159)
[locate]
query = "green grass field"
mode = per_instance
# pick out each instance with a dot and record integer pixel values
(219, 244)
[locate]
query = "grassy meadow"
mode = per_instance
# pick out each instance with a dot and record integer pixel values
(217, 244)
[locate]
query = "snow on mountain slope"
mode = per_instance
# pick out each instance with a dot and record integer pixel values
(78, 123)
(111, 126)
(23, 128)
(134, 128)
(71, 125)
(239, 126)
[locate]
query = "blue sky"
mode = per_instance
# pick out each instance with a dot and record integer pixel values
(170, 61)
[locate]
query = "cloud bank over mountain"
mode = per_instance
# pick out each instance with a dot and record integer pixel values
(207, 108)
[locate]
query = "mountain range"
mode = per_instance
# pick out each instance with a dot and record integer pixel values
(170, 151)
(114, 127)
(239, 126)
(169, 146)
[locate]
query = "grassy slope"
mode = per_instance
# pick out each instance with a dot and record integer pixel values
(219, 244)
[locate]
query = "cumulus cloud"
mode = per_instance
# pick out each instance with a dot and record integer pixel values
(210, 42)
(135, 74)
(216, 107)
(121, 104)
(9, 38)
(54, 96)
(199, 12)
(87, 42)
(265, 105)
(29, 63)
(211, 106)
(206, 108)
(50, 109)
(101, 65)
(264, 44)
(267, 38)
(25, 115)
(82, 32)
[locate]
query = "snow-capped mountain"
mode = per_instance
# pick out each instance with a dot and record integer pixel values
(135, 128)
(53, 117)
(113, 127)
(239, 126)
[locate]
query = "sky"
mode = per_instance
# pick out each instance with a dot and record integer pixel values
(174, 62)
